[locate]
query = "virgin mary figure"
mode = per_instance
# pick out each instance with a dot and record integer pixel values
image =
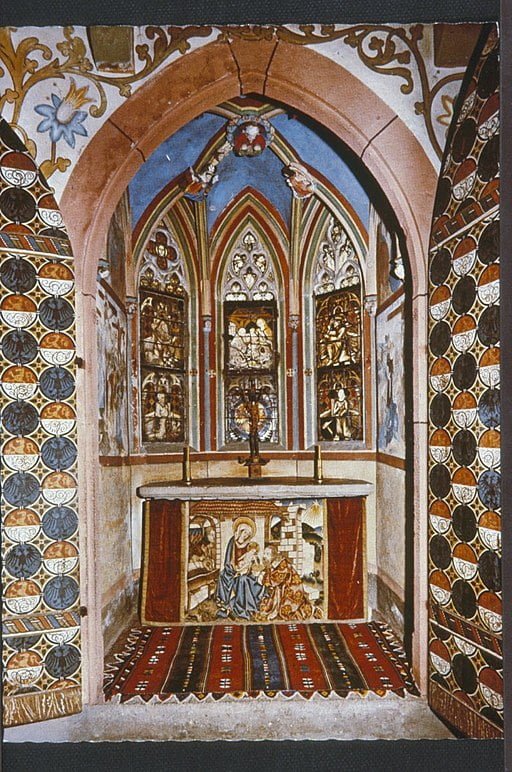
(239, 593)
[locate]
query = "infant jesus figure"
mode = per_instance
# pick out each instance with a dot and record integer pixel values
(249, 562)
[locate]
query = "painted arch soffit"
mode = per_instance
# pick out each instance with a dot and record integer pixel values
(56, 96)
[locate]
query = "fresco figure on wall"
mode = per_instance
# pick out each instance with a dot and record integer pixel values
(285, 597)
(239, 592)
(113, 423)
(389, 429)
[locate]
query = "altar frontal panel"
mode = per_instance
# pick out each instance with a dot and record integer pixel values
(209, 562)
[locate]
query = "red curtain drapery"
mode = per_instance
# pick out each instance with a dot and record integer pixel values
(345, 539)
(161, 562)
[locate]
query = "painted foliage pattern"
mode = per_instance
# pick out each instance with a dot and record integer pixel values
(40, 524)
(464, 477)
(51, 78)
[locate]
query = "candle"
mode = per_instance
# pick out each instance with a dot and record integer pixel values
(186, 465)
(318, 464)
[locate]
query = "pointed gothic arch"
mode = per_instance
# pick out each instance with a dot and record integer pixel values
(202, 79)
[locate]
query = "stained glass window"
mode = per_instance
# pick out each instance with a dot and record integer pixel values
(163, 342)
(249, 274)
(250, 367)
(250, 293)
(338, 348)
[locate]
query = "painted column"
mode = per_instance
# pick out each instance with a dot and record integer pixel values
(293, 372)
(207, 328)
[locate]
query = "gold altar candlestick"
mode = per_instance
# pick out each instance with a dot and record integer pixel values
(187, 477)
(318, 464)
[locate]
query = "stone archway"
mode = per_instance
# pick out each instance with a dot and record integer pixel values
(177, 94)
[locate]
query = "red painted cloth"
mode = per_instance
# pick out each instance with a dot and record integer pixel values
(345, 535)
(161, 563)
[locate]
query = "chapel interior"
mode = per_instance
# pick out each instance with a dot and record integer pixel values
(256, 425)
(302, 296)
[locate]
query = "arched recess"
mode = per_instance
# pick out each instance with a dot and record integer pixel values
(304, 80)
(250, 213)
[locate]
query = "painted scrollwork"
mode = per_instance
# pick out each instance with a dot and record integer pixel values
(383, 49)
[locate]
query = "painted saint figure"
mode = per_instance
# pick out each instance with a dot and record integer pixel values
(238, 591)
(285, 597)
(335, 420)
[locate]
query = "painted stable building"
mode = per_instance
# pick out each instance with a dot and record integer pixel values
(278, 237)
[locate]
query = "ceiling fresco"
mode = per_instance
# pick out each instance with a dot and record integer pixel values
(264, 172)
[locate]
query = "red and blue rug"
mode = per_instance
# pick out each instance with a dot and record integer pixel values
(179, 663)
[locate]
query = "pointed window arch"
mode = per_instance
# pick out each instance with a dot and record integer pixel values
(164, 332)
(337, 290)
(249, 296)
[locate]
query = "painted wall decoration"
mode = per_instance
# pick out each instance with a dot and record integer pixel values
(464, 471)
(112, 376)
(390, 380)
(57, 93)
(41, 624)
(118, 253)
(261, 562)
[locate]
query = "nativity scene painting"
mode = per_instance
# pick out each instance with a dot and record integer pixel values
(265, 567)
(250, 381)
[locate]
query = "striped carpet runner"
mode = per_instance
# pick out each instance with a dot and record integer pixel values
(250, 660)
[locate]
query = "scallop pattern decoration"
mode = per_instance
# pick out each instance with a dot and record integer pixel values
(464, 398)
(41, 622)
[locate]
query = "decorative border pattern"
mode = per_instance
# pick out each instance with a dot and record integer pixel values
(464, 445)
(41, 644)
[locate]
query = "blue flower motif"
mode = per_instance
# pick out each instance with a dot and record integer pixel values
(63, 118)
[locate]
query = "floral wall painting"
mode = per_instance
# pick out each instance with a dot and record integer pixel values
(390, 380)
(61, 86)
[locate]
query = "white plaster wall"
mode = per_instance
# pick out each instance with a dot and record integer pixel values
(390, 527)
(115, 532)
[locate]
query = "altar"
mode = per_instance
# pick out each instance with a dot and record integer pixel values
(265, 550)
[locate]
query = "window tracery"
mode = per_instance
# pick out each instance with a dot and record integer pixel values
(163, 340)
(338, 349)
(249, 274)
(249, 294)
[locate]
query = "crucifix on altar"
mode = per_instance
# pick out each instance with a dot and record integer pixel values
(252, 402)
